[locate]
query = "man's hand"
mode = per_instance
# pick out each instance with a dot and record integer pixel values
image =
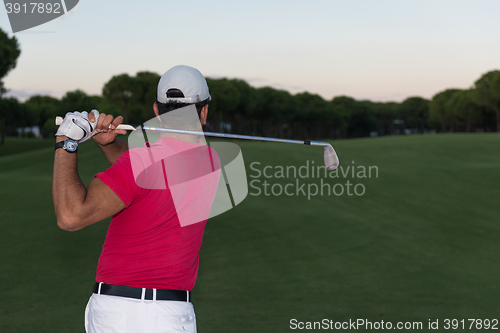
(106, 131)
(77, 125)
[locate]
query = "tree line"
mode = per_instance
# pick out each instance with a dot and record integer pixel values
(237, 107)
(240, 108)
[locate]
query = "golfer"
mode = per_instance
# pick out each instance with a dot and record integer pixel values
(159, 196)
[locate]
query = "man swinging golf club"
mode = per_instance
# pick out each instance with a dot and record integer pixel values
(159, 197)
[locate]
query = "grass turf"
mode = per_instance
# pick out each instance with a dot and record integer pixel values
(420, 244)
(19, 145)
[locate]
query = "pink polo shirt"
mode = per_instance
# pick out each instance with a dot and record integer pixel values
(168, 190)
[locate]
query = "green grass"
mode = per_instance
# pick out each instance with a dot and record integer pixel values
(20, 145)
(421, 243)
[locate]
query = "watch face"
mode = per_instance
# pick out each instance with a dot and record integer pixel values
(71, 146)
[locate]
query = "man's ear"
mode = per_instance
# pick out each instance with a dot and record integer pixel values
(155, 108)
(203, 115)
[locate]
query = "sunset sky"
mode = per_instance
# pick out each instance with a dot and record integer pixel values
(384, 50)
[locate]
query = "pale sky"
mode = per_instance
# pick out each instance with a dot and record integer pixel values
(382, 50)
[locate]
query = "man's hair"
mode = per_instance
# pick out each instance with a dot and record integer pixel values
(176, 93)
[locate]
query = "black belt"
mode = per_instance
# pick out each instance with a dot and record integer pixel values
(132, 292)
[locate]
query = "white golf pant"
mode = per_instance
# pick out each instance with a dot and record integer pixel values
(112, 314)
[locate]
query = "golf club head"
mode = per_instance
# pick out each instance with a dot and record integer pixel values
(330, 157)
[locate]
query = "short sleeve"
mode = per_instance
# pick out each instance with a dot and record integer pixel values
(120, 179)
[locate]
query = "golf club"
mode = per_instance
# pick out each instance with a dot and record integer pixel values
(329, 155)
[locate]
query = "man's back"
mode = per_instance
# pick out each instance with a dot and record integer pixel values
(168, 189)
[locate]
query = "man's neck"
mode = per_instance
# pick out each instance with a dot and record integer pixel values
(182, 137)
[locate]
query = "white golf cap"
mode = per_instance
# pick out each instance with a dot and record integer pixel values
(187, 79)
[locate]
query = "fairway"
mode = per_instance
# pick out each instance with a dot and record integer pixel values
(420, 243)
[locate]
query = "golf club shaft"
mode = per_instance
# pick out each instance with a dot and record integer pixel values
(213, 134)
(235, 136)
(330, 156)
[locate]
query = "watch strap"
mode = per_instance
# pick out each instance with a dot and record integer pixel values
(59, 144)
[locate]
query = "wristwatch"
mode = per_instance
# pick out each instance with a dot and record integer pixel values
(69, 145)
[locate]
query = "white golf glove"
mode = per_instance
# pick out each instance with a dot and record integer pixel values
(77, 126)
